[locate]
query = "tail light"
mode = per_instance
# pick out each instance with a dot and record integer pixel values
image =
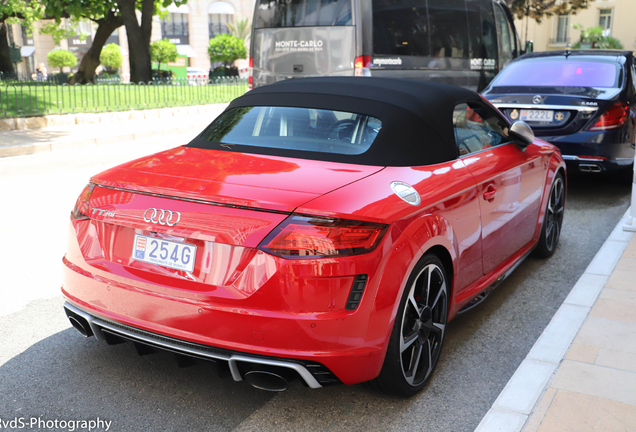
(80, 211)
(616, 116)
(308, 237)
(362, 66)
(250, 80)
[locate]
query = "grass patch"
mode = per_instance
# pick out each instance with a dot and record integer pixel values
(18, 100)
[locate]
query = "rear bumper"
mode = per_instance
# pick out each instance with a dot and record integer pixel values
(339, 341)
(595, 151)
(597, 165)
(313, 374)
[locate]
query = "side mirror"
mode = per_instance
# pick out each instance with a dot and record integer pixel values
(529, 47)
(522, 134)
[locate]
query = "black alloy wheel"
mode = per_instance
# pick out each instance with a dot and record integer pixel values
(553, 219)
(418, 334)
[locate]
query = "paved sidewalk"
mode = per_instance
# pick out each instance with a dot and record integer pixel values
(580, 375)
(184, 126)
(594, 388)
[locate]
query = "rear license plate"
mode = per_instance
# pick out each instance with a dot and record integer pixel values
(175, 255)
(537, 115)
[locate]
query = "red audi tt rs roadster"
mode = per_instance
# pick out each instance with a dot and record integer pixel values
(325, 229)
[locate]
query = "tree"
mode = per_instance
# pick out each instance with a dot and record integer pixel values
(61, 58)
(111, 57)
(163, 51)
(241, 29)
(537, 9)
(109, 15)
(226, 48)
(595, 38)
(13, 11)
(139, 33)
(102, 12)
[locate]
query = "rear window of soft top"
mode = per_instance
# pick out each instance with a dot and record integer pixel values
(304, 129)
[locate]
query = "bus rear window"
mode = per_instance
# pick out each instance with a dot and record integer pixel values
(436, 28)
(304, 129)
(559, 73)
(303, 13)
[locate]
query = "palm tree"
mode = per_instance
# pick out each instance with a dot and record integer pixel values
(241, 29)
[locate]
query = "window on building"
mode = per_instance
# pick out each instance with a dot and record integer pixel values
(220, 14)
(175, 24)
(605, 21)
(563, 29)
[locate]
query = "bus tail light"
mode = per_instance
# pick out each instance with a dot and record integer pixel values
(250, 80)
(362, 66)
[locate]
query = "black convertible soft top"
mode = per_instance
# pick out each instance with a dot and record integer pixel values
(417, 116)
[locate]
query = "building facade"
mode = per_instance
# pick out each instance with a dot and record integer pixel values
(189, 26)
(616, 17)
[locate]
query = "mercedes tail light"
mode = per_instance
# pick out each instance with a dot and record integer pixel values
(362, 66)
(309, 237)
(80, 211)
(615, 116)
(250, 80)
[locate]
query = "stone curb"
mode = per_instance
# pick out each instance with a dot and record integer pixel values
(53, 120)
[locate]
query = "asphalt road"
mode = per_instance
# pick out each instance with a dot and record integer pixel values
(48, 371)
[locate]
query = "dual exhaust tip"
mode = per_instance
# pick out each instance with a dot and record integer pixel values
(590, 168)
(262, 377)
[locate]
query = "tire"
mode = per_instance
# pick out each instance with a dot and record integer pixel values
(553, 219)
(418, 333)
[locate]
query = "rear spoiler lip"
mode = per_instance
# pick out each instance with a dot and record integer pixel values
(194, 200)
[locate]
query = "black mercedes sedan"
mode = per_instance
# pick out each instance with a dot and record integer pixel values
(582, 101)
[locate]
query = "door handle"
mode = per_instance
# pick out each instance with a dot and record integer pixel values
(490, 193)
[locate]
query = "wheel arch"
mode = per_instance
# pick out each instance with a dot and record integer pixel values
(441, 246)
(447, 260)
(556, 166)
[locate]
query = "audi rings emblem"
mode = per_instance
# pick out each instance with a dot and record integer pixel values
(162, 217)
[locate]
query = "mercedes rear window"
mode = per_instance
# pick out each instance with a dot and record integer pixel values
(304, 129)
(302, 13)
(559, 73)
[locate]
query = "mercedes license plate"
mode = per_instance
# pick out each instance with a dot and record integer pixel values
(536, 115)
(175, 255)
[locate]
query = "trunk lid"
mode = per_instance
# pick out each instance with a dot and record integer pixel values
(211, 207)
(260, 182)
